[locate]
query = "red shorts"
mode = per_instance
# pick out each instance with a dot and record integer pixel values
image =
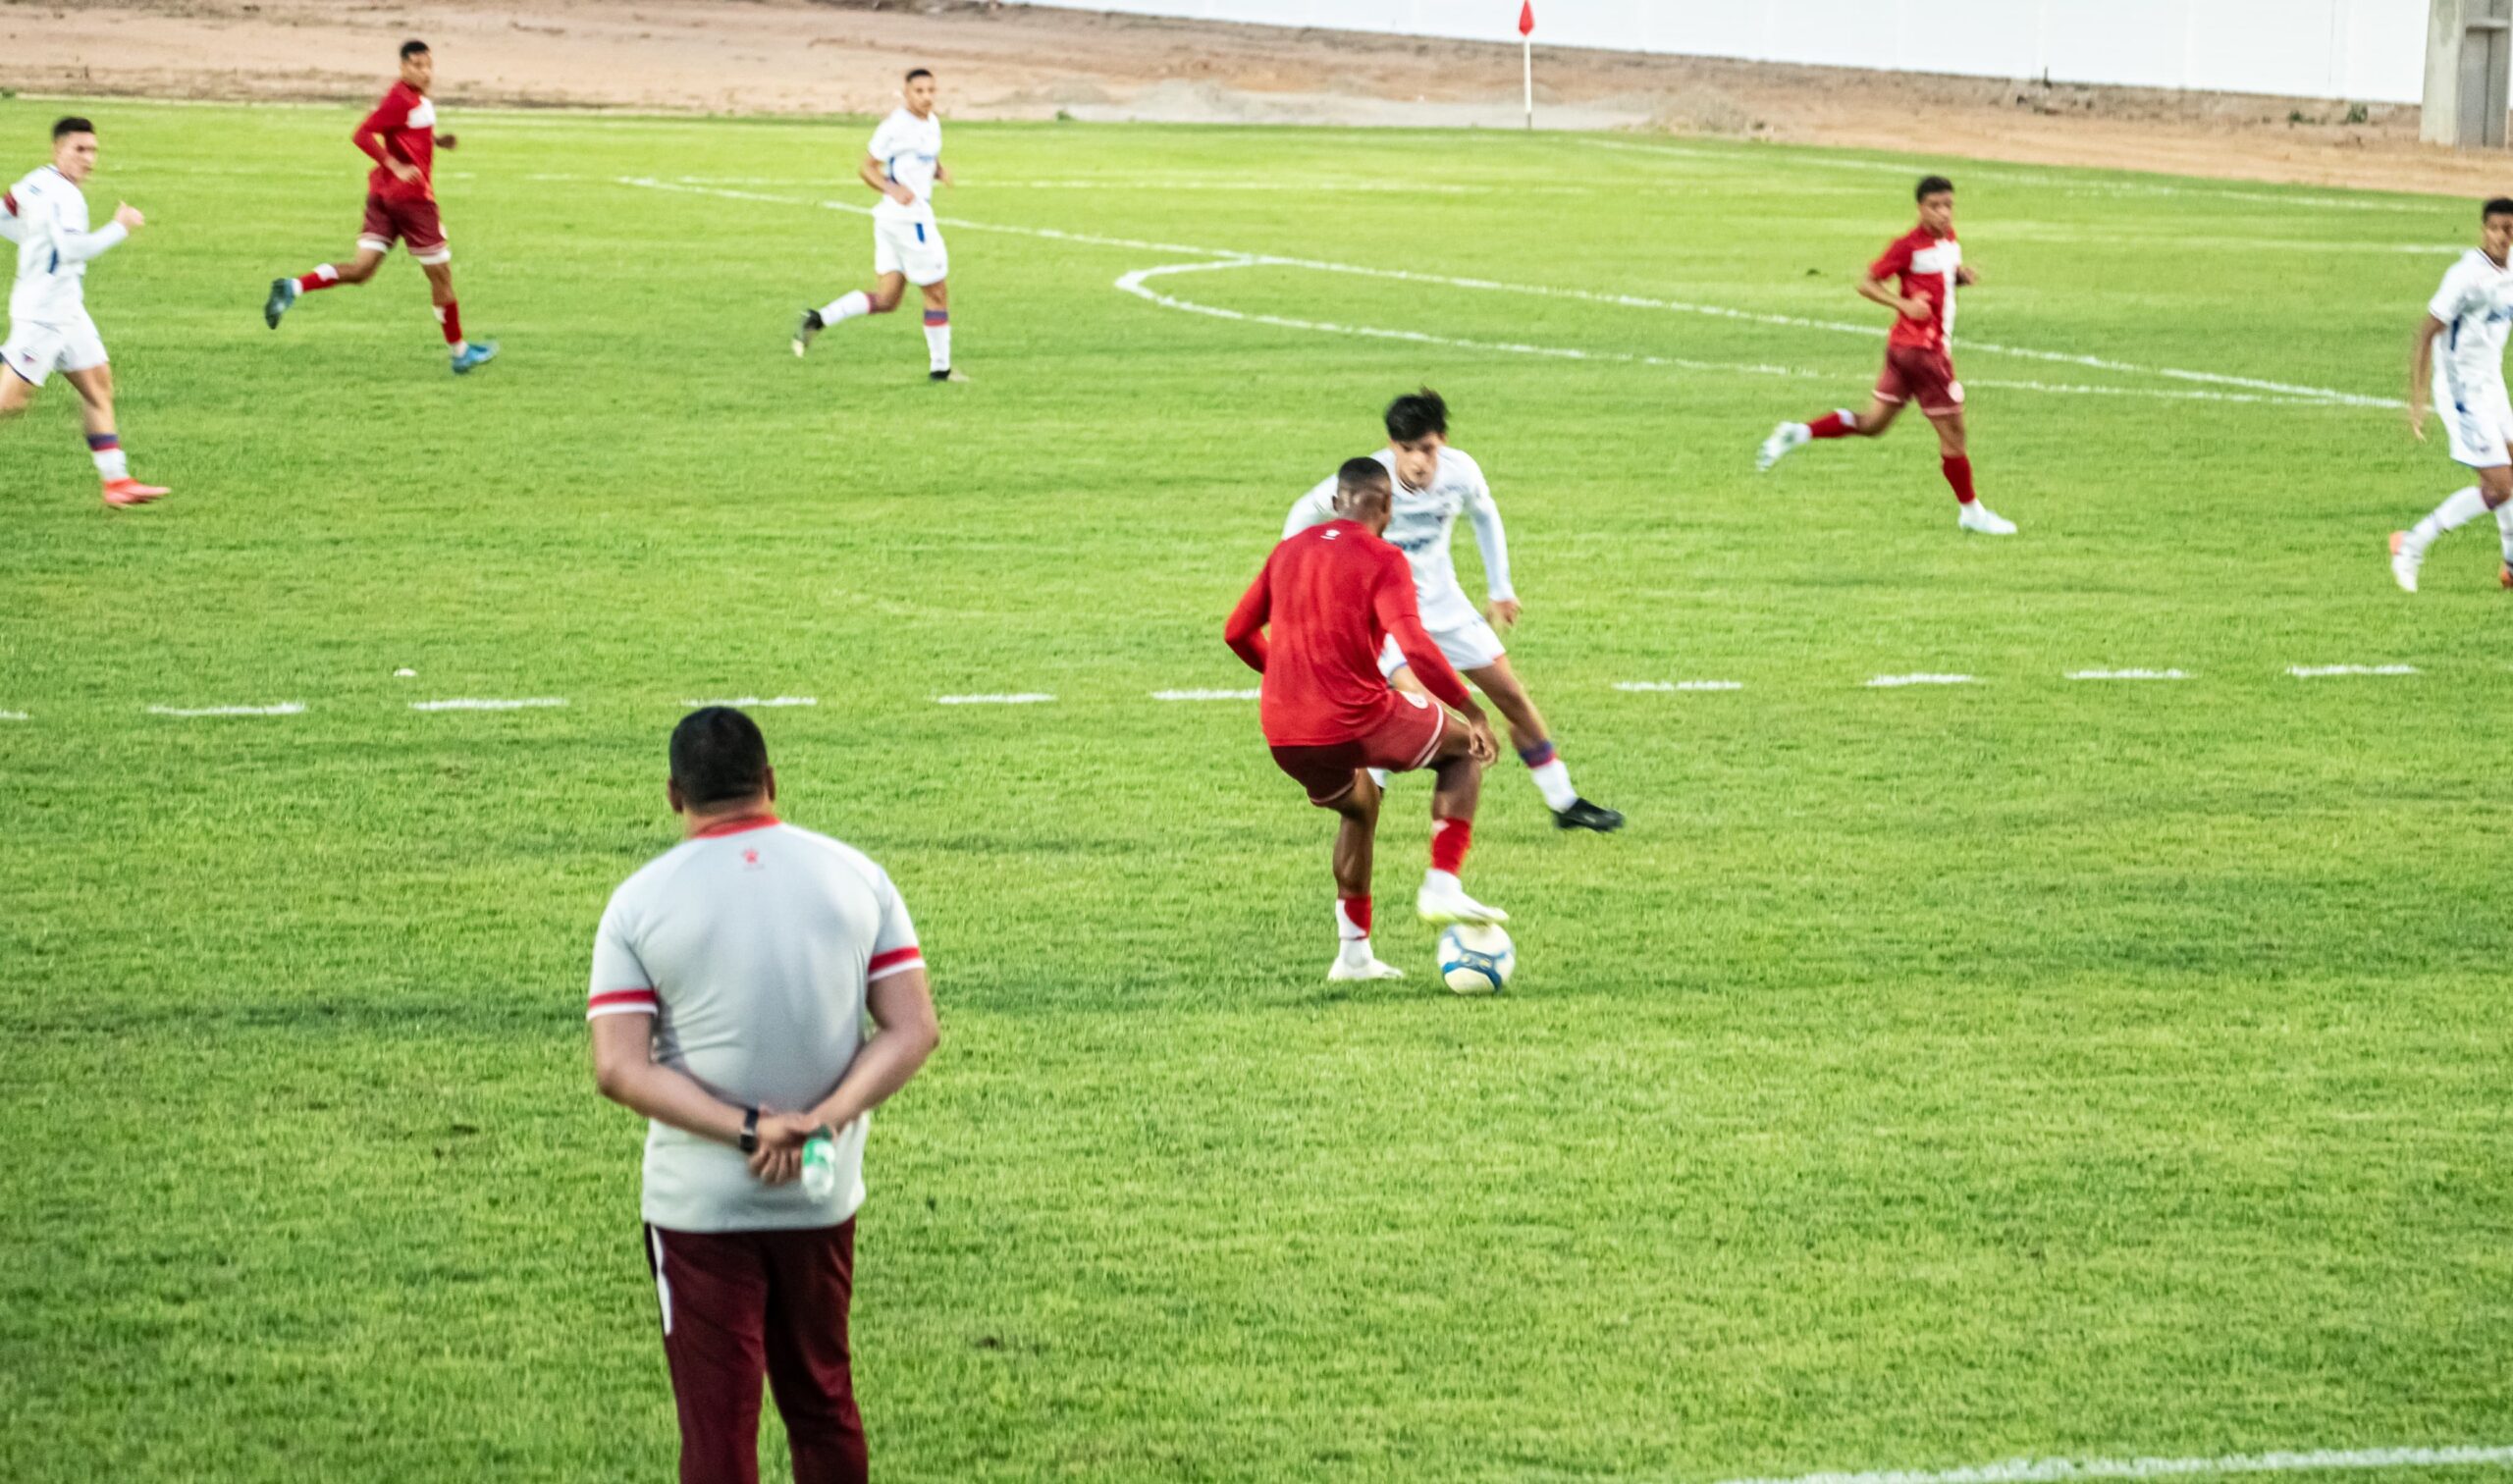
(413, 220)
(738, 1303)
(1402, 743)
(1913, 373)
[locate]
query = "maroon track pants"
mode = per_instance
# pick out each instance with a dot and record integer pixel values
(738, 1303)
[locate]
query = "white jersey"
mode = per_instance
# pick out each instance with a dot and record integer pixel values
(2475, 305)
(1424, 526)
(54, 246)
(910, 150)
(752, 944)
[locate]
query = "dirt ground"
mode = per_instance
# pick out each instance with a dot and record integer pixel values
(1010, 61)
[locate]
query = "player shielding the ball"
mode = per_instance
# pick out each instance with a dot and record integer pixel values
(46, 215)
(1927, 265)
(1332, 595)
(400, 136)
(2460, 347)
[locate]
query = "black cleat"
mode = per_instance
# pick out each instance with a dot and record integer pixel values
(1583, 815)
(945, 376)
(284, 293)
(810, 327)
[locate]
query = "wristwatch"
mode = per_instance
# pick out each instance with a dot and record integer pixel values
(750, 1131)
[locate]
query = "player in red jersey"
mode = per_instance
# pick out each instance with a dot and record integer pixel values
(400, 136)
(1919, 360)
(1334, 594)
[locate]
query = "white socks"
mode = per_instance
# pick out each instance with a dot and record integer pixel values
(937, 347)
(2504, 525)
(1441, 880)
(2464, 506)
(846, 306)
(1553, 780)
(111, 464)
(1352, 936)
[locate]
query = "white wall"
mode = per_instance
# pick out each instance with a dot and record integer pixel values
(2368, 50)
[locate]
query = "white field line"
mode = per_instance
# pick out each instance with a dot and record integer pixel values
(284, 709)
(1238, 259)
(1679, 685)
(2322, 671)
(2059, 1470)
(2129, 674)
(759, 701)
(1017, 698)
(2009, 176)
(1887, 682)
(14, 717)
(1206, 694)
(474, 702)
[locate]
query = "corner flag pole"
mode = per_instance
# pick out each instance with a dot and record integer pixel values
(1526, 55)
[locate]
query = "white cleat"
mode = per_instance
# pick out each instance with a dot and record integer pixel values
(2405, 560)
(1981, 520)
(1344, 972)
(1440, 906)
(1784, 438)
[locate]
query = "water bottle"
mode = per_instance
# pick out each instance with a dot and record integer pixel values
(820, 1167)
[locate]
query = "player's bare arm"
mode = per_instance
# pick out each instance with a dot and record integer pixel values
(1967, 276)
(2421, 373)
(1907, 308)
(876, 175)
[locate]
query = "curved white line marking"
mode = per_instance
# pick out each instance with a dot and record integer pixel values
(1235, 258)
(2054, 1470)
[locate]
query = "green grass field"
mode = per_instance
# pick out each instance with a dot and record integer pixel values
(1929, 1076)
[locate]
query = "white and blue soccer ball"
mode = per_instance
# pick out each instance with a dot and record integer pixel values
(1476, 958)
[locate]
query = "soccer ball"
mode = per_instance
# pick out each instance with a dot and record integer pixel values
(1476, 958)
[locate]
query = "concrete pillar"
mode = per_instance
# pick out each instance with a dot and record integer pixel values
(2469, 73)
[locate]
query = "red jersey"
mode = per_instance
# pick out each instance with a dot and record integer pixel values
(1333, 594)
(406, 119)
(1926, 266)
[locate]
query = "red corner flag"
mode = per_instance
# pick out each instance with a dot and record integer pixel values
(1526, 17)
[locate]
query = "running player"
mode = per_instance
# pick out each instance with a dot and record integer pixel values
(2461, 345)
(1433, 483)
(1334, 595)
(903, 162)
(46, 216)
(1919, 360)
(400, 136)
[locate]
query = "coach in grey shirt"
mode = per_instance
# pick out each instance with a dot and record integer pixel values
(731, 981)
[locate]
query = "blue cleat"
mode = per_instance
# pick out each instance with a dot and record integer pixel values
(475, 354)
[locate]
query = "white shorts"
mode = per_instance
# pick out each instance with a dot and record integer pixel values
(35, 351)
(914, 249)
(1459, 632)
(2481, 426)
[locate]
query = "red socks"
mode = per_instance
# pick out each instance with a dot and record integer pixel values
(324, 277)
(1352, 918)
(1832, 425)
(1958, 474)
(1449, 839)
(450, 315)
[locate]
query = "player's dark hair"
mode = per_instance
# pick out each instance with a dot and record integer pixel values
(2501, 206)
(1417, 415)
(411, 49)
(1359, 475)
(915, 73)
(64, 127)
(1933, 186)
(718, 755)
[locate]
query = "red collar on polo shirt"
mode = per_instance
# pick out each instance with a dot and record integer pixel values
(737, 825)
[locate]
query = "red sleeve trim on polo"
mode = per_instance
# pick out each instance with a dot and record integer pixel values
(897, 961)
(623, 1002)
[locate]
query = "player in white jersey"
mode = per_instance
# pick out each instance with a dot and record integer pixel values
(1434, 485)
(46, 215)
(904, 163)
(2460, 354)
